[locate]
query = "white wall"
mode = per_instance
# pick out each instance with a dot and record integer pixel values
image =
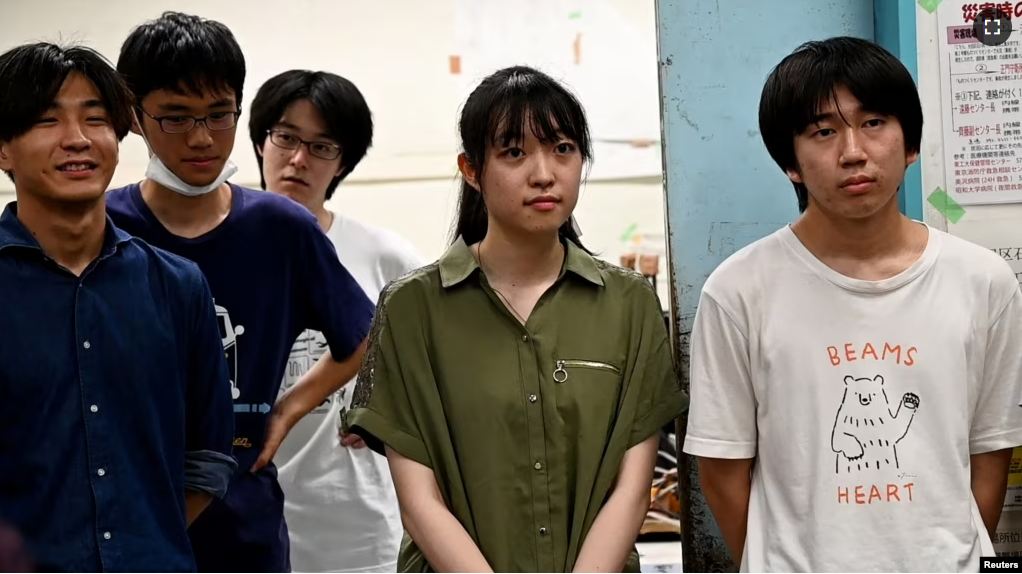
(398, 53)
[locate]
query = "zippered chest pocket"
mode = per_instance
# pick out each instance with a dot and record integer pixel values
(587, 393)
(564, 367)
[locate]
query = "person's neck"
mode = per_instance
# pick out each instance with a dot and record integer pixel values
(884, 234)
(70, 234)
(187, 216)
(324, 216)
(520, 261)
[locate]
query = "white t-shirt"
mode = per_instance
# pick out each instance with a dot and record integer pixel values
(339, 502)
(860, 400)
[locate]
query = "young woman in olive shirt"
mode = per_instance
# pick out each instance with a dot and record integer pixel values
(517, 385)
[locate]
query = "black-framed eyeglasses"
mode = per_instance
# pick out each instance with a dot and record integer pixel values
(322, 150)
(216, 121)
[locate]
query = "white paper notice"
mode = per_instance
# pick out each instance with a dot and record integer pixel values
(981, 91)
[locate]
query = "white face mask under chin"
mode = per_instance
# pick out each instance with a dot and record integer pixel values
(161, 174)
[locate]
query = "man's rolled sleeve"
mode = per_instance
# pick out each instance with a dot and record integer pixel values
(208, 471)
(209, 413)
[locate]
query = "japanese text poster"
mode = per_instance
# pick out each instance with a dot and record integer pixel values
(981, 95)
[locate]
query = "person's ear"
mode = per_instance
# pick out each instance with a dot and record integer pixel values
(259, 150)
(794, 175)
(136, 127)
(911, 159)
(5, 159)
(468, 171)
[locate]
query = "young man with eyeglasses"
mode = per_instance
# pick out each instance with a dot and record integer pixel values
(272, 271)
(309, 130)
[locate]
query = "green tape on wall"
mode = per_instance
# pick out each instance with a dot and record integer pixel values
(929, 5)
(947, 206)
(629, 232)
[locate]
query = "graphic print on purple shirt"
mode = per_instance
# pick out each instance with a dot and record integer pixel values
(273, 273)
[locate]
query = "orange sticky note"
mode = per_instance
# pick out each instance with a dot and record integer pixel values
(578, 48)
(455, 62)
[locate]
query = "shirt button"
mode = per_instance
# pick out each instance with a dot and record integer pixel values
(542, 530)
(537, 466)
(101, 472)
(87, 344)
(533, 398)
(106, 535)
(525, 338)
(94, 408)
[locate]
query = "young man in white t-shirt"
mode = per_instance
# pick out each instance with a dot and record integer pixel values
(309, 131)
(855, 376)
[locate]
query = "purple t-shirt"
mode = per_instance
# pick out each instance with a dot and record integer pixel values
(273, 273)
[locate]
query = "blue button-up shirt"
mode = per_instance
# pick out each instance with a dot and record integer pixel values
(114, 398)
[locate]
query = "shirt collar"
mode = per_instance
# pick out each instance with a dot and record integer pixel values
(458, 264)
(14, 234)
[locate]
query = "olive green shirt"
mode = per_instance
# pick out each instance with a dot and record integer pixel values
(525, 426)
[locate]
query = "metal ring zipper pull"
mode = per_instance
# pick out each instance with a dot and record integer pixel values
(560, 375)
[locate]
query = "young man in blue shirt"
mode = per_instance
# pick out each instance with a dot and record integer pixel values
(272, 271)
(115, 423)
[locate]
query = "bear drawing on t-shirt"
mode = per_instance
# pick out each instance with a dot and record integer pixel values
(866, 429)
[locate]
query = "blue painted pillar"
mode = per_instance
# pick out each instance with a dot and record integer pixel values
(895, 23)
(722, 189)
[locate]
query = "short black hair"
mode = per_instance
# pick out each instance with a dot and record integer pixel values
(496, 113)
(345, 111)
(805, 80)
(31, 76)
(182, 53)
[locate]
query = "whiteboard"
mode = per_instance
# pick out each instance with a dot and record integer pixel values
(590, 45)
